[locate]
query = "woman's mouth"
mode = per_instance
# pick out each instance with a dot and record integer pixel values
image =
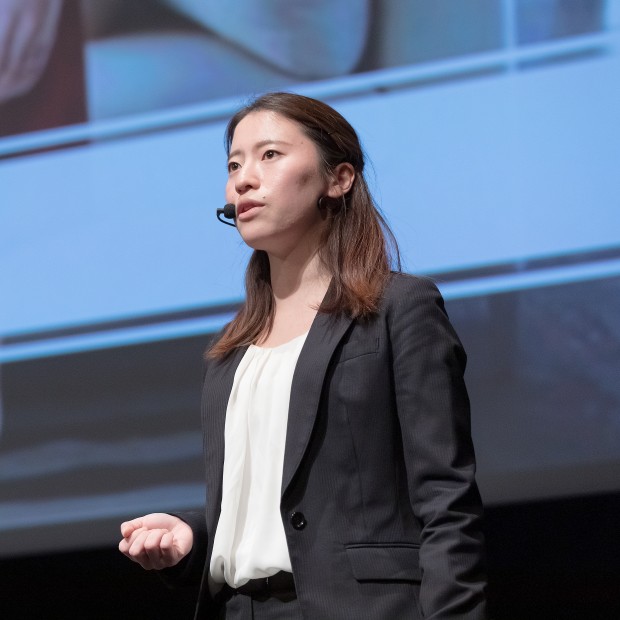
(245, 207)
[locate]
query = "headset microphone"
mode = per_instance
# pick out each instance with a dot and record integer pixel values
(229, 212)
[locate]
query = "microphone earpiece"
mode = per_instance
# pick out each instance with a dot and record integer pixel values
(229, 212)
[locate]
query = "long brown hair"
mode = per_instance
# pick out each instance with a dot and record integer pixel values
(358, 249)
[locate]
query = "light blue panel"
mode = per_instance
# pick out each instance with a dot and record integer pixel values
(501, 168)
(116, 230)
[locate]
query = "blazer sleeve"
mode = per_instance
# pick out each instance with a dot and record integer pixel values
(433, 410)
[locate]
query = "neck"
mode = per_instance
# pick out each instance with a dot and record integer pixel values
(299, 276)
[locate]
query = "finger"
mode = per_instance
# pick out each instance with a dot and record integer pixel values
(167, 545)
(124, 545)
(144, 549)
(152, 548)
(135, 548)
(129, 526)
(171, 551)
(140, 532)
(135, 542)
(183, 539)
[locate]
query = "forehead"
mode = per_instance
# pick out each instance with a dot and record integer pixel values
(264, 125)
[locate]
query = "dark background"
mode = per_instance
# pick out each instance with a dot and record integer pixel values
(548, 559)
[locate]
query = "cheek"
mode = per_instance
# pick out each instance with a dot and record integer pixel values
(310, 179)
(306, 178)
(229, 191)
(307, 186)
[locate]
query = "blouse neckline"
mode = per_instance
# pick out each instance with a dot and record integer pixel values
(282, 346)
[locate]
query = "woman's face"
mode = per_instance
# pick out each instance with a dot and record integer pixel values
(275, 181)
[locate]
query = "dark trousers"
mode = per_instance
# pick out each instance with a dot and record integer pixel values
(243, 607)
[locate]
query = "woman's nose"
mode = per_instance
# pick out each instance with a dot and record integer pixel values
(246, 178)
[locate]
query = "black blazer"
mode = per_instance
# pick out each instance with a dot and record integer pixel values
(379, 504)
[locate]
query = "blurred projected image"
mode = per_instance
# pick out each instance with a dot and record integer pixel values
(41, 65)
(103, 432)
(69, 60)
(543, 380)
(492, 130)
(189, 51)
(130, 57)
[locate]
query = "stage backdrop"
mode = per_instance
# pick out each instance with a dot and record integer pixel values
(492, 127)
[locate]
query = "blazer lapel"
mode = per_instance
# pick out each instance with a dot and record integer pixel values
(217, 389)
(324, 335)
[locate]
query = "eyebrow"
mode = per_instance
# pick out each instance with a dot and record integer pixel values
(259, 145)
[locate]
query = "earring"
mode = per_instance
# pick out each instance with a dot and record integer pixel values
(320, 204)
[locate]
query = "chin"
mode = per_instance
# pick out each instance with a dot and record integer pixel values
(256, 236)
(256, 242)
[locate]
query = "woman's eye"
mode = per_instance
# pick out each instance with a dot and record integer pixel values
(232, 166)
(270, 154)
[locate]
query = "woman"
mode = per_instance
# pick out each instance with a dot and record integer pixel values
(340, 467)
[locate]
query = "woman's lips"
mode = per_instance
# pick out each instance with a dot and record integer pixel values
(246, 207)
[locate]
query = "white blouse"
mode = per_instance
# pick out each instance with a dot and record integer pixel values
(249, 541)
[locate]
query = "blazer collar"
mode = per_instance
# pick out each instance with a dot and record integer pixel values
(325, 333)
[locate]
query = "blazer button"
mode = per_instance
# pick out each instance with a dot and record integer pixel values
(298, 521)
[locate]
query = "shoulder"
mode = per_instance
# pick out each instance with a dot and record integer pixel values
(408, 291)
(407, 282)
(413, 306)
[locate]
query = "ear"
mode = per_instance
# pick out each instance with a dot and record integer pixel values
(341, 180)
